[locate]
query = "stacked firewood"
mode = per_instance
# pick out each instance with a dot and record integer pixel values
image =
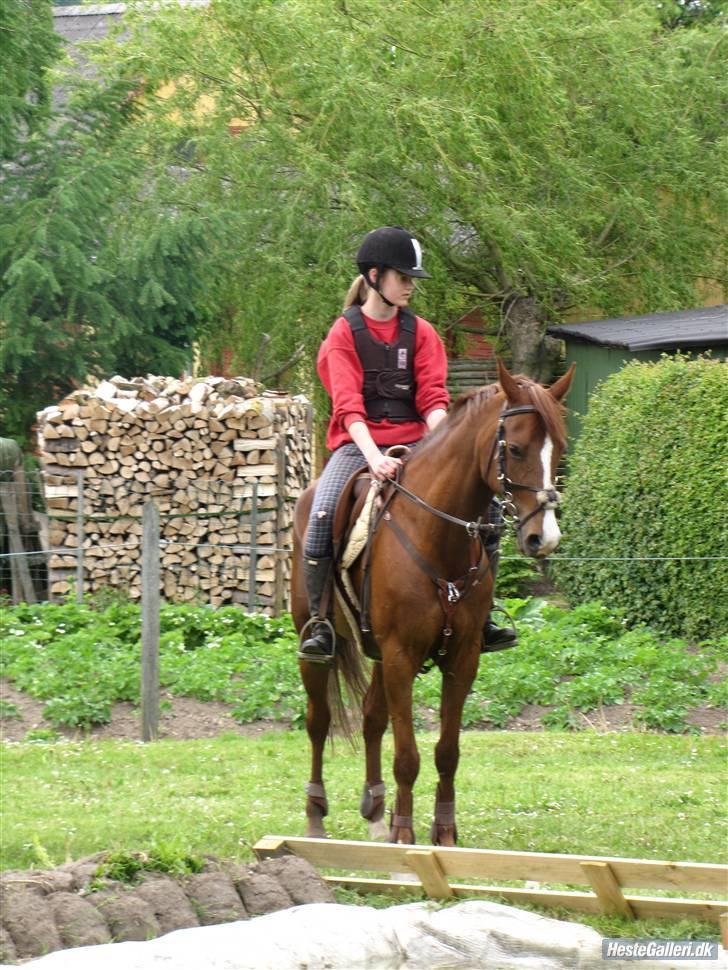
(223, 459)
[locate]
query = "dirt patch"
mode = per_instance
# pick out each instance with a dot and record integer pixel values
(184, 718)
(181, 718)
(41, 911)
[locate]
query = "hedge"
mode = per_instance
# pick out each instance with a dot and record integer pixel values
(647, 484)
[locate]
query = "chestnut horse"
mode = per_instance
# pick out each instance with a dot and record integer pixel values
(432, 588)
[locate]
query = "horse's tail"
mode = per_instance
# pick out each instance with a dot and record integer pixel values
(346, 705)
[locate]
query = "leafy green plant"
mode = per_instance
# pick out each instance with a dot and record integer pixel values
(81, 661)
(128, 867)
(8, 710)
(645, 501)
(43, 734)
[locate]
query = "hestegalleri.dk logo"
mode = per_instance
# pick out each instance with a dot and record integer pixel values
(617, 948)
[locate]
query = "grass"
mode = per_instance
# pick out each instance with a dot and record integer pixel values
(636, 795)
(80, 660)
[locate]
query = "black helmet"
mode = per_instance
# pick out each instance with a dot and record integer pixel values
(391, 247)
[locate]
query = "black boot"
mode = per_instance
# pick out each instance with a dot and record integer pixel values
(493, 637)
(318, 647)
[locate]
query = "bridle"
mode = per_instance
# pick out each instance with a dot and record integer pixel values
(451, 592)
(548, 499)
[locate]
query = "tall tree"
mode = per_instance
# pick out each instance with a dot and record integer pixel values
(550, 155)
(99, 265)
(28, 47)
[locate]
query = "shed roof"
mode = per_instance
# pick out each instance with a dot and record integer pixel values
(702, 327)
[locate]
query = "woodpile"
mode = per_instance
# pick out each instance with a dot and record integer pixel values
(223, 459)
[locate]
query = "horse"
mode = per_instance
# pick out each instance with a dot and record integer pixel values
(432, 588)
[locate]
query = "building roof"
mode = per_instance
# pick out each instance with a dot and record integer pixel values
(702, 327)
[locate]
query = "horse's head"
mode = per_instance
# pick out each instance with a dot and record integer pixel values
(520, 465)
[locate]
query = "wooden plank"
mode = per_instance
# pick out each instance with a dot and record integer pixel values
(607, 889)
(425, 865)
(583, 902)
(457, 863)
(270, 847)
(643, 906)
(724, 930)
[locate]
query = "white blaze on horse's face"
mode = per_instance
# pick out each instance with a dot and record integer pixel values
(550, 531)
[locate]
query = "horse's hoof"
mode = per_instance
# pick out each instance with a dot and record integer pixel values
(378, 831)
(316, 831)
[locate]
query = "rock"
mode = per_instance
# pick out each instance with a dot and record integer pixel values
(171, 907)
(44, 880)
(215, 898)
(262, 893)
(24, 914)
(299, 879)
(78, 922)
(127, 914)
(8, 953)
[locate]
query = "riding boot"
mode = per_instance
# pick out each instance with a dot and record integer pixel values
(494, 637)
(318, 647)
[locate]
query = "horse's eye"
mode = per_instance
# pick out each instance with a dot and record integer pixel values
(515, 451)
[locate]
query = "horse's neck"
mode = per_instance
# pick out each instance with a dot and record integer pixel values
(447, 475)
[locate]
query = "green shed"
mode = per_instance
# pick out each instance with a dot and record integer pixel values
(600, 347)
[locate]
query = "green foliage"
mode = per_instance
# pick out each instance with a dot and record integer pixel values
(515, 570)
(28, 47)
(566, 152)
(80, 661)
(128, 867)
(100, 269)
(646, 487)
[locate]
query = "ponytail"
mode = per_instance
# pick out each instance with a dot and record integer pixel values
(357, 293)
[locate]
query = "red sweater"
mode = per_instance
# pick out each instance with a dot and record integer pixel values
(342, 375)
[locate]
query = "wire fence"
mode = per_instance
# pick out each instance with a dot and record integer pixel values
(218, 543)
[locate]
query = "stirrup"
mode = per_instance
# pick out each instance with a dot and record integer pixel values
(325, 659)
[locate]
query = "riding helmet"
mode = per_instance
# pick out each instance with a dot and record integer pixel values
(391, 247)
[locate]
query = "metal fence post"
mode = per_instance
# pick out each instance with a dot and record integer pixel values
(150, 622)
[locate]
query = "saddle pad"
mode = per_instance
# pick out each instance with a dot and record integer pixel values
(360, 530)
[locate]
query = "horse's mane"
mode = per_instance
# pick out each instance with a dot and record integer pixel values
(467, 406)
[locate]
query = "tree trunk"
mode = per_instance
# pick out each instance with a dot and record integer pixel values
(533, 353)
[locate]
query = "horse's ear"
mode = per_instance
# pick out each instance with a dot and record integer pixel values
(511, 388)
(559, 389)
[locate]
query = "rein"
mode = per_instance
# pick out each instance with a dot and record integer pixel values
(451, 592)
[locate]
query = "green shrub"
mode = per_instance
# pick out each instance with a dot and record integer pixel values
(646, 497)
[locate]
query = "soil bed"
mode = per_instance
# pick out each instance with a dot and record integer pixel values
(184, 718)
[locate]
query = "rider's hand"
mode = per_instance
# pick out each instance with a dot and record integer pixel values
(383, 466)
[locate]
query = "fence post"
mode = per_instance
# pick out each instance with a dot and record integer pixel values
(253, 560)
(279, 594)
(80, 534)
(150, 622)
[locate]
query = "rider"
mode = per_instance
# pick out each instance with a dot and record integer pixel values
(385, 371)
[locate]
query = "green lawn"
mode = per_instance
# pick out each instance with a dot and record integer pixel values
(641, 795)
(636, 795)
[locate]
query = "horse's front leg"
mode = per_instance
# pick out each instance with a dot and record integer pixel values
(456, 683)
(318, 718)
(376, 717)
(398, 679)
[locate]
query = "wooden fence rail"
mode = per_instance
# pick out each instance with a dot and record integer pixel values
(436, 867)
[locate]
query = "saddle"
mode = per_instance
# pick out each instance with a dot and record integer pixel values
(354, 521)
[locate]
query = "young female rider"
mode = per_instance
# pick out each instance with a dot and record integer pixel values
(385, 371)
